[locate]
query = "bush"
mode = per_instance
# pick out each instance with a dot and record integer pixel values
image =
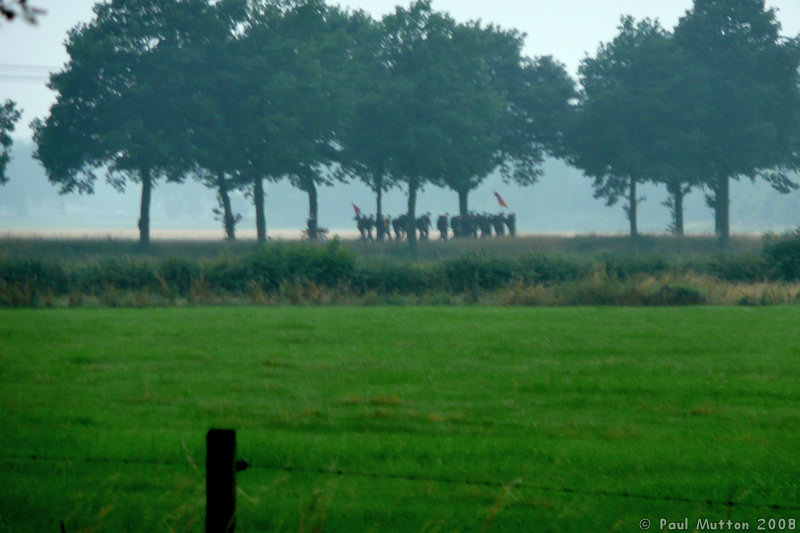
(325, 266)
(120, 274)
(227, 275)
(782, 256)
(179, 274)
(676, 295)
(35, 274)
(744, 268)
(475, 271)
(623, 268)
(386, 277)
(535, 269)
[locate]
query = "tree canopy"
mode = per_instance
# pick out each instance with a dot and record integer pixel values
(446, 104)
(746, 97)
(118, 106)
(523, 120)
(716, 99)
(625, 132)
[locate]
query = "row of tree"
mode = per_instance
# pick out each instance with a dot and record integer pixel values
(716, 99)
(237, 92)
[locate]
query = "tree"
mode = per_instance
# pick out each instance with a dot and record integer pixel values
(223, 184)
(202, 68)
(441, 110)
(321, 37)
(9, 115)
(631, 123)
(364, 134)
(747, 97)
(424, 85)
(119, 106)
(528, 123)
(273, 100)
(471, 122)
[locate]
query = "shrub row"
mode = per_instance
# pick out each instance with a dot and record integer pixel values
(266, 269)
(782, 254)
(272, 269)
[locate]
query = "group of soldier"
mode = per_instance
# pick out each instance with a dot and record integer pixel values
(473, 224)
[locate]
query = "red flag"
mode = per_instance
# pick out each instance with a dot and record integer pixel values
(357, 210)
(500, 200)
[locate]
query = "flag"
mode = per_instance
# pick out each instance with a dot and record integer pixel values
(357, 210)
(500, 200)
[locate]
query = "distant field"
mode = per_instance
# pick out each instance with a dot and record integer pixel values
(586, 246)
(401, 419)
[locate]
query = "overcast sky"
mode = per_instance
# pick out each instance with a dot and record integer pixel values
(565, 29)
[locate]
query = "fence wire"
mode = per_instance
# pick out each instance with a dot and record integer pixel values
(244, 465)
(522, 484)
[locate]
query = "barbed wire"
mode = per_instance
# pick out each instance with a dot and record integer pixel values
(522, 484)
(108, 460)
(244, 465)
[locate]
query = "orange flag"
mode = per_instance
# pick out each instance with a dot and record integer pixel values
(500, 200)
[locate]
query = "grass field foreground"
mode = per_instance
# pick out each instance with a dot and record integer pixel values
(400, 419)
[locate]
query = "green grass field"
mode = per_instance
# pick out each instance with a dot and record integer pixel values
(400, 419)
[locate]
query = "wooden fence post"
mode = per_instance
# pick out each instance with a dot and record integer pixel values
(220, 481)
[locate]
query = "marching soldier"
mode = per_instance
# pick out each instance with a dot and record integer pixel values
(424, 226)
(441, 224)
(499, 226)
(369, 223)
(484, 225)
(361, 227)
(399, 226)
(387, 227)
(455, 224)
(511, 222)
(473, 225)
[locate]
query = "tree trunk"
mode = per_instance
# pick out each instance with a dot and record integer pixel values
(463, 205)
(379, 211)
(678, 193)
(228, 220)
(723, 211)
(412, 213)
(261, 219)
(144, 209)
(713, 202)
(313, 210)
(632, 215)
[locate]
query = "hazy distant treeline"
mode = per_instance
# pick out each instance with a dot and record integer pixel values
(233, 93)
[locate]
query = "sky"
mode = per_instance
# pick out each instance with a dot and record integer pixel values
(564, 29)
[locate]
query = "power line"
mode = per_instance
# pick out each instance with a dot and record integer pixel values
(25, 73)
(23, 77)
(24, 66)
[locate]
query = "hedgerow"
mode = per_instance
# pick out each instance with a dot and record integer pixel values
(782, 255)
(272, 272)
